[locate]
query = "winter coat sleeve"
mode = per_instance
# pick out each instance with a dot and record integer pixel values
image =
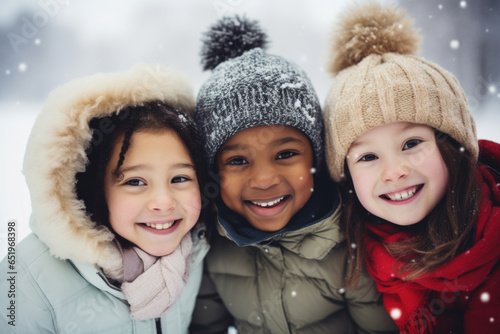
(366, 308)
(29, 309)
(483, 311)
(210, 316)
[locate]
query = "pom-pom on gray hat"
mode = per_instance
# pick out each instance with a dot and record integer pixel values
(249, 87)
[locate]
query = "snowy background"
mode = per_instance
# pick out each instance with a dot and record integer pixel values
(45, 43)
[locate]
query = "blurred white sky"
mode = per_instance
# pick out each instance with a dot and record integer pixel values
(76, 38)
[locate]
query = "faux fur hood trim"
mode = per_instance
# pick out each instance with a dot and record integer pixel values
(56, 152)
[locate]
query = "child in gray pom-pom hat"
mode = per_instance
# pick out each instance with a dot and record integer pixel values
(277, 262)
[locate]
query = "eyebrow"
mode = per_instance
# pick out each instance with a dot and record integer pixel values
(355, 144)
(405, 128)
(182, 165)
(276, 142)
(179, 165)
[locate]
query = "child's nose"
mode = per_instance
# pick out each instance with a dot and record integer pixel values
(395, 169)
(264, 176)
(162, 200)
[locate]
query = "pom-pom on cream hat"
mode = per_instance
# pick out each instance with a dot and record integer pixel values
(379, 80)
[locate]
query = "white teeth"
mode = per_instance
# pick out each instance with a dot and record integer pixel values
(401, 196)
(263, 205)
(161, 226)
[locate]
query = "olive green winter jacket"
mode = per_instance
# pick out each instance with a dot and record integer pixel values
(295, 284)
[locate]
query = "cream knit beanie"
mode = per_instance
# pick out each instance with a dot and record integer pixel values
(379, 81)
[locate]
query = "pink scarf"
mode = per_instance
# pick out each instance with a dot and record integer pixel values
(152, 284)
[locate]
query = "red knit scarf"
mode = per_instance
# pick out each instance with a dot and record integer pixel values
(408, 301)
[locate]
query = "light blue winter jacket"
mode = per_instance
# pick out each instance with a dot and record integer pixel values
(57, 284)
(62, 296)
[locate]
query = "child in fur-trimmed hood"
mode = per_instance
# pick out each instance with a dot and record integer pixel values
(114, 173)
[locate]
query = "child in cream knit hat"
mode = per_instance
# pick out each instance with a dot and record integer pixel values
(422, 203)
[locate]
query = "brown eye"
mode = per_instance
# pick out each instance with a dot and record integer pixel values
(285, 155)
(411, 143)
(368, 157)
(179, 179)
(237, 161)
(135, 182)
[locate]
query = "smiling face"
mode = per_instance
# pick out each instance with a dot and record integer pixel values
(398, 172)
(266, 174)
(157, 201)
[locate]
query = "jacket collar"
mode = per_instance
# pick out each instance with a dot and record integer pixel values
(311, 233)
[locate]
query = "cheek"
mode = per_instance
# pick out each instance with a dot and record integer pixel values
(362, 187)
(304, 182)
(196, 202)
(121, 204)
(118, 209)
(230, 188)
(439, 172)
(229, 181)
(192, 201)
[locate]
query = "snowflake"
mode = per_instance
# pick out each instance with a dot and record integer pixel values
(454, 44)
(395, 313)
(485, 297)
(22, 67)
(291, 85)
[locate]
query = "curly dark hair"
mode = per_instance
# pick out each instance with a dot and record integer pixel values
(106, 131)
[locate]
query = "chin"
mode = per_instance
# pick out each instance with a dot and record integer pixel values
(160, 252)
(269, 227)
(404, 223)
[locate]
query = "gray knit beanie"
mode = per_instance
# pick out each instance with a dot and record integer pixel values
(249, 87)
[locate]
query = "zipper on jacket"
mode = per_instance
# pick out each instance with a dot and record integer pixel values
(104, 278)
(158, 326)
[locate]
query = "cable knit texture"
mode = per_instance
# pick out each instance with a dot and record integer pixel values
(378, 81)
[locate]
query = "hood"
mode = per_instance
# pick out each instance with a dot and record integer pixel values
(56, 152)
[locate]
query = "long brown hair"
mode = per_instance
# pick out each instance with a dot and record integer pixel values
(446, 231)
